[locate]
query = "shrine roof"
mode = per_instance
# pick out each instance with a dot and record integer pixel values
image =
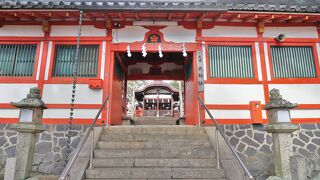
(293, 6)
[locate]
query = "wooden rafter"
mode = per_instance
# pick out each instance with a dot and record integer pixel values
(187, 15)
(282, 18)
(300, 18)
(170, 16)
(250, 17)
(121, 16)
(136, 16)
(237, 16)
(267, 18)
(216, 17)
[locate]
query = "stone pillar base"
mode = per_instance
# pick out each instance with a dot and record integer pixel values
(25, 147)
(282, 147)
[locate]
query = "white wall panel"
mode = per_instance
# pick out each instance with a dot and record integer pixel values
(230, 31)
(61, 94)
(9, 113)
(291, 32)
(46, 73)
(39, 61)
(204, 56)
(299, 93)
(312, 113)
(318, 51)
(229, 114)
(73, 31)
(264, 114)
(232, 93)
(17, 30)
(14, 92)
(65, 113)
(103, 60)
(266, 57)
(178, 34)
(258, 61)
(129, 34)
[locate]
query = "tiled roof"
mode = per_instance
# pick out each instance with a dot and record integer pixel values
(310, 6)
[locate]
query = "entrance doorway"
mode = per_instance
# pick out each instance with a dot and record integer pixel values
(172, 66)
(160, 98)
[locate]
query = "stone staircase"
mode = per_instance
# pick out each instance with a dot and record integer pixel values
(154, 153)
(151, 120)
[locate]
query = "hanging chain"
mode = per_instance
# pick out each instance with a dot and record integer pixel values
(74, 85)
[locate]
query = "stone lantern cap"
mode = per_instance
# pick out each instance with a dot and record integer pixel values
(276, 101)
(33, 100)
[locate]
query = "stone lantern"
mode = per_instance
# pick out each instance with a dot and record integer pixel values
(31, 110)
(281, 128)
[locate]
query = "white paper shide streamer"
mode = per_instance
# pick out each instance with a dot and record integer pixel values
(184, 51)
(144, 50)
(129, 51)
(160, 51)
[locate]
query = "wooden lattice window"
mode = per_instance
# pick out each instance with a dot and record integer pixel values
(231, 62)
(17, 60)
(65, 57)
(293, 62)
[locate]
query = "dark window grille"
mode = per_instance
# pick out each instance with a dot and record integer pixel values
(231, 62)
(65, 57)
(293, 62)
(17, 60)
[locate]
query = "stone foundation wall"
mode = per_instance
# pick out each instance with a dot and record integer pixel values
(252, 142)
(51, 148)
(254, 145)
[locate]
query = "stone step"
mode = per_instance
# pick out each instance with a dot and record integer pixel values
(153, 179)
(152, 137)
(154, 129)
(154, 118)
(155, 153)
(154, 122)
(155, 173)
(153, 144)
(196, 173)
(153, 162)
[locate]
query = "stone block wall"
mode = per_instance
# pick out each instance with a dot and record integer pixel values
(254, 145)
(51, 149)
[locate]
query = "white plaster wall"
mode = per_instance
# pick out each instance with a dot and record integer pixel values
(65, 113)
(17, 30)
(312, 113)
(46, 73)
(178, 34)
(232, 93)
(291, 32)
(86, 30)
(61, 94)
(299, 93)
(9, 113)
(229, 114)
(14, 92)
(204, 56)
(318, 51)
(39, 61)
(266, 57)
(230, 31)
(129, 34)
(258, 61)
(264, 114)
(232, 114)
(103, 60)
